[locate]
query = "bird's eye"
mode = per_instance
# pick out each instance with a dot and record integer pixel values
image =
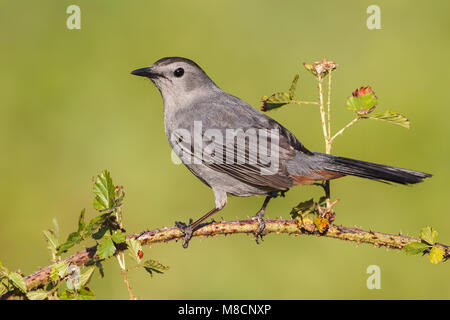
(179, 72)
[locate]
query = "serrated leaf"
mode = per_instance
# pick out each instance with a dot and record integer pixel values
(135, 247)
(95, 223)
(118, 236)
(100, 233)
(153, 266)
(303, 208)
(66, 295)
(99, 265)
(18, 281)
(82, 294)
(322, 200)
(120, 194)
(58, 270)
(37, 295)
(52, 241)
(3, 270)
(104, 191)
(275, 101)
(436, 255)
(85, 294)
(415, 248)
(55, 227)
(106, 249)
(362, 101)
(428, 235)
(3, 288)
(392, 117)
(73, 239)
(293, 87)
(86, 275)
(81, 223)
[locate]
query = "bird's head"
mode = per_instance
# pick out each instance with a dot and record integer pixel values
(176, 77)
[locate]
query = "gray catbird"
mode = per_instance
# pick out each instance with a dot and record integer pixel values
(194, 105)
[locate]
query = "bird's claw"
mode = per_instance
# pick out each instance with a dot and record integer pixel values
(187, 230)
(261, 227)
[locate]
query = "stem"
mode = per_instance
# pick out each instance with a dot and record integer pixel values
(125, 278)
(322, 114)
(303, 102)
(326, 133)
(329, 106)
(344, 128)
(291, 227)
(121, 260)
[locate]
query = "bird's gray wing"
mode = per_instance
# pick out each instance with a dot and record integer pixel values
(244, 156)
(223, 112)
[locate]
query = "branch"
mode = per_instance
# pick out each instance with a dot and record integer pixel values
(291, 227)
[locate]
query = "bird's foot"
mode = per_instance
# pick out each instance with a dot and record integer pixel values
(262, 225)
(188, 230)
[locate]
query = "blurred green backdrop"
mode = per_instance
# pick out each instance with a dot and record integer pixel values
(69, 108)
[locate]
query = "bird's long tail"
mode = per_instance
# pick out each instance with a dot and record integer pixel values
(369, 170)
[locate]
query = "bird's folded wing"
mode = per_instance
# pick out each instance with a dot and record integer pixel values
(254, 156)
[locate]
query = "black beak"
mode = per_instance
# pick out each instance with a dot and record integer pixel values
(145, 72)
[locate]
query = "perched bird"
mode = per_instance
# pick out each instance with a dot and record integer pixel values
(220, 137)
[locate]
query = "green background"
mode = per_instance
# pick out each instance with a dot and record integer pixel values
(69, 108)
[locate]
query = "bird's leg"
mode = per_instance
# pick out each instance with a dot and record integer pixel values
(189, 229)
(260, 217)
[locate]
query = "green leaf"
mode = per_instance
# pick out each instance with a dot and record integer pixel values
(153, 266)
(81, 223)
(3, 271)
(392, 117)
(58, 270)
(135, 247)
(436, 255)
(95, 223)
(55, 228)
(303, 208)
(362, 101)
(85, 294)
(99, 265)
(52, 241)
(275, 101)
(428, 235)
(118, 236)
(18, 281)
(415, 248)
(82, 294)
(293, 87)
(106, 249)
(100, 233)
(86, 275)
(67, 295)
(3, 288)
(120, 194)
(37, 295)
(104, 191)
(73, 239)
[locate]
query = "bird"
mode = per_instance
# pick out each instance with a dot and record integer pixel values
(198, 116)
